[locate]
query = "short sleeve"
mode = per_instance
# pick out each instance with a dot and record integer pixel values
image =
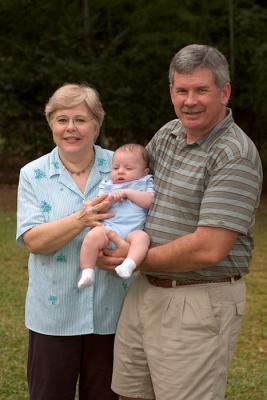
(29, 213)
(232, 194)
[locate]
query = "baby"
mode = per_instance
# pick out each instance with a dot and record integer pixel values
(131, 191)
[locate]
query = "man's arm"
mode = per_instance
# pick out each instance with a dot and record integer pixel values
(201, 249)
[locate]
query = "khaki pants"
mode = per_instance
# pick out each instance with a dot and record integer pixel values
(177, 343)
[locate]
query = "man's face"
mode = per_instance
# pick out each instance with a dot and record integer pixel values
(198, 102)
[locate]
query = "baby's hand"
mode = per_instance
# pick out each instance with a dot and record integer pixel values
(118, 195)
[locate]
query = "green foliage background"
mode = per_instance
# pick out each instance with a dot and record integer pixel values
(123, 48)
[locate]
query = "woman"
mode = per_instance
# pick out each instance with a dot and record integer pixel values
(71, 331)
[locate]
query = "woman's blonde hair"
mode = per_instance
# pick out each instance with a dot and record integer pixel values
(71, 95)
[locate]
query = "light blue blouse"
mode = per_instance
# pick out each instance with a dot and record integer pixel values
(54, 304)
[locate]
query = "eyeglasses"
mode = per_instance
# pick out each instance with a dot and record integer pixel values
(77, 121)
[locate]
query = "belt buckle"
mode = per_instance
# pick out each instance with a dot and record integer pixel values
(174, 284)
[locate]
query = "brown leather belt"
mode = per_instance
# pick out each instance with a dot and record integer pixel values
(168, 283)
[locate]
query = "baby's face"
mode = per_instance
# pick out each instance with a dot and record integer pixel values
(127, 166)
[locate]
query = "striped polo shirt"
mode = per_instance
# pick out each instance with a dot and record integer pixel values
(215, 181)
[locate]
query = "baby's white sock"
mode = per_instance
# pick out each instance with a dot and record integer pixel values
(126, 268)
(87, 278)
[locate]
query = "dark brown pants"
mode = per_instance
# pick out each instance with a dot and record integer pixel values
(55, 363)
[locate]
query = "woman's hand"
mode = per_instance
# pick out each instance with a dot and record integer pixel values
(109, 259)
(93, 211)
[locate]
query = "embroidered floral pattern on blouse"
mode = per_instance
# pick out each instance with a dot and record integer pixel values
(61, 258)
(53, 299)
(46, 207)
(125, 285)
(56, 164)
(39, 174)
(101, 162)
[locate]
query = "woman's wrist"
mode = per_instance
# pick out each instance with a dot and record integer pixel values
(79, 219)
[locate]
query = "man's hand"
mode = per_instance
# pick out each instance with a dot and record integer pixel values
(122, 246)
(112, 258)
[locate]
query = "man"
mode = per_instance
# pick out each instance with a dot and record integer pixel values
(182, 315)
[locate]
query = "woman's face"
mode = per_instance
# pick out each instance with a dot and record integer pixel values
(74, 130)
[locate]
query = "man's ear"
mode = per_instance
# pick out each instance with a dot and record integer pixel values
(225, 93)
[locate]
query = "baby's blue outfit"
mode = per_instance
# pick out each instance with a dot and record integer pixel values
(128, 216)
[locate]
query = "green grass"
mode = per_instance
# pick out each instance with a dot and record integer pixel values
(13, 335)
(247, 378)
(248, 374)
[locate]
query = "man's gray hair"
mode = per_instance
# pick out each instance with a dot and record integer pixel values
(197, 56)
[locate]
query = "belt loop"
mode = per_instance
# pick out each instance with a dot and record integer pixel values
(173, 284)
(232, 280)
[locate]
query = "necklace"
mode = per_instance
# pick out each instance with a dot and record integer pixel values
(82, 171)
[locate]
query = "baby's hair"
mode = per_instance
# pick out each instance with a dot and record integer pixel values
(136, 148)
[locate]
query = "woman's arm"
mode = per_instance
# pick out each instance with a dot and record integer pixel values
(48, 237)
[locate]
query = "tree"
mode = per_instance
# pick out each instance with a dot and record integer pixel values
(123, 48)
